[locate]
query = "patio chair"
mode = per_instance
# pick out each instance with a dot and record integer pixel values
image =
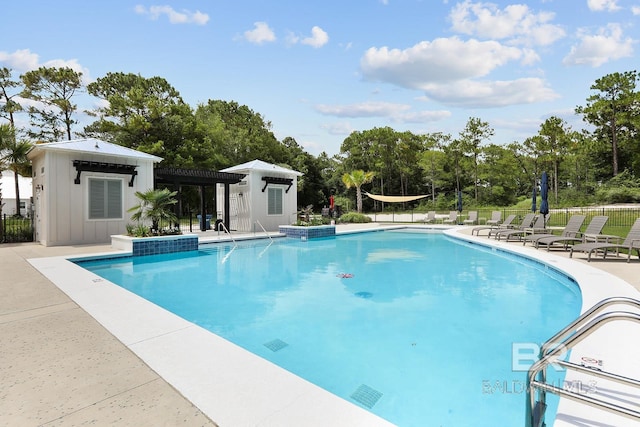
(590, 233)
(496, 217)
(538, 226)
(526, 222)
(570, 230)
(453, 218)
(631, 242)
(508, 223)
(429, 217)
(472, 218)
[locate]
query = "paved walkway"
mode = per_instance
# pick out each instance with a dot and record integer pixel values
(59, 367)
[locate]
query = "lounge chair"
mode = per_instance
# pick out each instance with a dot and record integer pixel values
(592, 231)
(631, 242)
(570, 230)
(526, 223)
(496, 217)
(538, 226)
(508, 223)
(472, 218)
(429, 217)
(453, 218)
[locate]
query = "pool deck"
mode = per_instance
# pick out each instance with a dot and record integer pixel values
(61, 367)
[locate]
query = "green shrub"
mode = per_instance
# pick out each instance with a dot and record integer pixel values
(138, 230)
(353, 217)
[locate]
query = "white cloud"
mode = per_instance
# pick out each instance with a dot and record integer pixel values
(515, 23)
(635, 10)
(261, 33)
(606, 45)
(317, 39)
(21, 60)
(183, 17)
(365, 109)
(395, 112)
(338, 128)
(600, 5)
(485, 94)
(443, 60)
(24, 60)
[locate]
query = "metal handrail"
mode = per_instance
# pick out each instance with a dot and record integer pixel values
(227, 231)
(263, 229)
(536, 378)
(584, 318)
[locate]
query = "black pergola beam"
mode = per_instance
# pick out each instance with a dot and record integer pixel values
(87, 166)
(276, 180)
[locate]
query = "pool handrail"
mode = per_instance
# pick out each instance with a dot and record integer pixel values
(564, 340)
(227, 231)
(263, 229)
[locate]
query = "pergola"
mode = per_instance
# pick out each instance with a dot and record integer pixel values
(201, 178)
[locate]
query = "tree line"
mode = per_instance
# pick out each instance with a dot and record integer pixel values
(148, 114)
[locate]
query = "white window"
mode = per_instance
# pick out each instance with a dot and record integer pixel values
(105, 198)
(274, 202)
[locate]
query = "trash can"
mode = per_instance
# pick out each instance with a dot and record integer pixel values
(207, 221)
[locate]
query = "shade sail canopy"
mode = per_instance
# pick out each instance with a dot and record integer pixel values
(395, 199)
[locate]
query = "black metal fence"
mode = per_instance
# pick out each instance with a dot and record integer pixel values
(619, 218)
(14, 229)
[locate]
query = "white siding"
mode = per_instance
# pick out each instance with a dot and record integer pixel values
(64, 205)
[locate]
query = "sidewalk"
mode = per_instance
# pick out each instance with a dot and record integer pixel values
(59, 367)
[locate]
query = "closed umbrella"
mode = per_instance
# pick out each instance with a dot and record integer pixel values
(533, 200)
(544, 194)
(459, 201)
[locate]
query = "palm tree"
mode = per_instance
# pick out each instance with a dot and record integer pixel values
(356, 179)
(155, 205)
(13, 154)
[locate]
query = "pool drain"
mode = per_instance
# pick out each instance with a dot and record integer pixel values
(275, 345)
(366, 396)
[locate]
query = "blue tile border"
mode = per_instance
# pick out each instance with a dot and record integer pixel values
(314, 232)
(165, 245)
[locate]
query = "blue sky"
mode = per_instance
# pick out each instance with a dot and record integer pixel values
(318, 70)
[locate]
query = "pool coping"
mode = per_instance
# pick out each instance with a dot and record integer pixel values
(223, 380)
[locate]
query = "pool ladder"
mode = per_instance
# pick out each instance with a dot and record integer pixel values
(566, 339)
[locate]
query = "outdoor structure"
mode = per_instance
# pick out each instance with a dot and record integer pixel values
(268, 195)
(179, 177)
(8, 190)
(82, 189)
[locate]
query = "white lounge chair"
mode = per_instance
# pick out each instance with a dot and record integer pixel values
(472, 218)
(429, 217)
(453, 218)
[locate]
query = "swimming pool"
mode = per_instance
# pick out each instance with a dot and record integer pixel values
(417, 328)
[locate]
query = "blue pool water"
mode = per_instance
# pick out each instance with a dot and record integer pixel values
(415, 327)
